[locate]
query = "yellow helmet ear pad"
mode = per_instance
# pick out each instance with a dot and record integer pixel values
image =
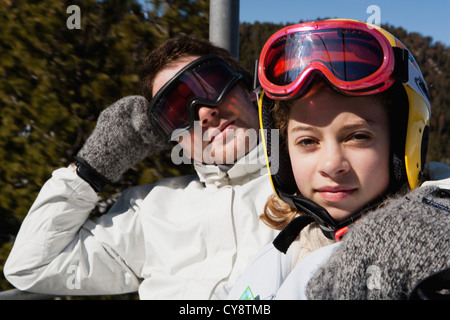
(416, 136)
(263, 102)
(418, 117)
(277, 156)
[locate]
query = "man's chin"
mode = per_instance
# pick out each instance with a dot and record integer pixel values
(227, 154)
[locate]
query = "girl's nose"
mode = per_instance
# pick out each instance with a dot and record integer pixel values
(333, 161)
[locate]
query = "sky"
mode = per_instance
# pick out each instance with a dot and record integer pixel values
(427, 17)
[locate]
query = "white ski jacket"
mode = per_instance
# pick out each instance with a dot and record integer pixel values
(187, 237)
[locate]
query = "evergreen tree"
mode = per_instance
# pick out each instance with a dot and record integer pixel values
(54, 82)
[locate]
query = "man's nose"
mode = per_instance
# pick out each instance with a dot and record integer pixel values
(208, 116)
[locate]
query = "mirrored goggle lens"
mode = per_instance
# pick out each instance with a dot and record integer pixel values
(348, 54)
(205, 83)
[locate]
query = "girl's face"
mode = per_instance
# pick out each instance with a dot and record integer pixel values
(339, 150)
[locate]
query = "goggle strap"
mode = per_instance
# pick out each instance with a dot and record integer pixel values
(401, 66)
(286, 236)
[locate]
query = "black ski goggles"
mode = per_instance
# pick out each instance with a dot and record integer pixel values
(203, 82)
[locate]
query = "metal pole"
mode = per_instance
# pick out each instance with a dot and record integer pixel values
(224, 25)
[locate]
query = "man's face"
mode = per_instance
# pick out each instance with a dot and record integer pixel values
(223, 133)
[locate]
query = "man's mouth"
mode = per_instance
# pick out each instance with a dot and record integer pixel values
(221, 131)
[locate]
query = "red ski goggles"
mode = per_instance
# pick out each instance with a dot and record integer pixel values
(353, 57)
(203, 82)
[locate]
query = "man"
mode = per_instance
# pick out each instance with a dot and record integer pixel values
(187, 237)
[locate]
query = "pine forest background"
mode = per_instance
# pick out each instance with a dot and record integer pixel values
(54, 82)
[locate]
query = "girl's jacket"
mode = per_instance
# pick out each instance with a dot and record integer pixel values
(332, 272)
(188, 237)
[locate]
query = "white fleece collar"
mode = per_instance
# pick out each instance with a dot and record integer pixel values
(253, 163)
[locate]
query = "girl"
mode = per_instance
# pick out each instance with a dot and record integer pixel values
(352, 109)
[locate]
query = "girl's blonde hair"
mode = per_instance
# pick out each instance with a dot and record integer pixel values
(277, 213)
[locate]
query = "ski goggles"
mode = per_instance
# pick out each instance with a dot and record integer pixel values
(203, 82)
(355, 58)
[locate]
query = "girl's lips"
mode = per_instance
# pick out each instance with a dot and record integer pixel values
(335, 194)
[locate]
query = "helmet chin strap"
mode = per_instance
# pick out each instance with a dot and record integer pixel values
(312, 212)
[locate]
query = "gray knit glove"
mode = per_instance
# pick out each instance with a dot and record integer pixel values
(122, 137)
(390, 250)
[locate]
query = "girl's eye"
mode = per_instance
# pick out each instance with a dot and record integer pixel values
(360, 137)
(307, 142)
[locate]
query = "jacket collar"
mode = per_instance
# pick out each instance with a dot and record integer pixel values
(246, 168)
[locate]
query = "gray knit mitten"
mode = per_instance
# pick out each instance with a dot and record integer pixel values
(122, 137)
(390, 250)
